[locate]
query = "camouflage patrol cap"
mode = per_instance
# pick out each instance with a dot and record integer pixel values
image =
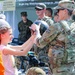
(35, 71)
(23, 13)
(68, 4)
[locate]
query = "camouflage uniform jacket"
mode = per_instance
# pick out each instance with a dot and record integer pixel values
(61, 36)
(24, 31)
(44, 51)
(48, 20)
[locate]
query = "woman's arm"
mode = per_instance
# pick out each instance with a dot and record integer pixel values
(20, 47)
(22, 51)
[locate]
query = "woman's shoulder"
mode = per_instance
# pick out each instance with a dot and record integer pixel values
(2, 47)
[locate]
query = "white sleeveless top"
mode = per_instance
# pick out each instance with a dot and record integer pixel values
(9, 63)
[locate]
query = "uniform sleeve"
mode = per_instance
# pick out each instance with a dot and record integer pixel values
(72, 28)
(48, 36)
(65, 25)
(50, 22)
(19, 26)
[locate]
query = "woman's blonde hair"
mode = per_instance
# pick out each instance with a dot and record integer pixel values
(4, 27)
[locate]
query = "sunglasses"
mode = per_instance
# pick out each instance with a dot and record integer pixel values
(39, 9)
(57, 11)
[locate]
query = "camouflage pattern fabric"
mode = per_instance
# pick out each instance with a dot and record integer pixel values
(42, 52)
(24, 31)
(61, 37)
(48, 20)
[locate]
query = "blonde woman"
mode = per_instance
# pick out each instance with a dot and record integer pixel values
(8, 51)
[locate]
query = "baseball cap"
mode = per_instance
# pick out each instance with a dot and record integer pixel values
(23, 13)
(40, 6)
(68, 4)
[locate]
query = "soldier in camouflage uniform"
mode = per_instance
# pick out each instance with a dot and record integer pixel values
(61, 36)
(35, 71)
(40, 11)
(24, 34)
(23, 28)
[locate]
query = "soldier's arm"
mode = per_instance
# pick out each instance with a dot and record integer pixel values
(50, 22)
(19, 26)
(72, 28)
(65, 25)
(48, 36)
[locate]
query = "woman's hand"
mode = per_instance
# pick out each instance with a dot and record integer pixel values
(35, 30)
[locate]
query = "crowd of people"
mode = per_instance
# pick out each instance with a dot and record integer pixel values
(50, 36)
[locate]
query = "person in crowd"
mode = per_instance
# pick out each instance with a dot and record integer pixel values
(40, 12)
(61, 36)
(8, 51)
(23, 28)
(35, 71)
(2, 16)
(56, 17)
(49, 12)
(24, 34)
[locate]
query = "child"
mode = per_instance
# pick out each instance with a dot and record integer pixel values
(2, 16)
(8, 51)
(35, 71)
